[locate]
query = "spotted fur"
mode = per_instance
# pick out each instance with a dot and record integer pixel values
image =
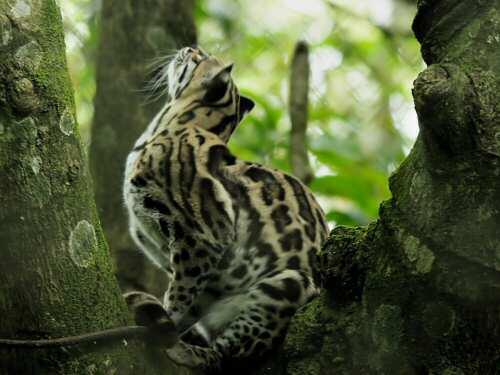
(238, 240)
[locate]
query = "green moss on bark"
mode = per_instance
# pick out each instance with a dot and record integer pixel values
(57, 278)
(418, 291)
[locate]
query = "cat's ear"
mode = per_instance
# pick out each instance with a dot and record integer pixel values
(216, 88)
(244, 106)
(227, 69)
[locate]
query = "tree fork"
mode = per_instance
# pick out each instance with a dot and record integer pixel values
(418, 291)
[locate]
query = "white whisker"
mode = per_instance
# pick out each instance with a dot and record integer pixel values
(157, 86)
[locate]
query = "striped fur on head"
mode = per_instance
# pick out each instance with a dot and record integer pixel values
(197, 80)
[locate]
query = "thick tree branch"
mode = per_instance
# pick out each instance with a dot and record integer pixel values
(418, 290)
(298, 107)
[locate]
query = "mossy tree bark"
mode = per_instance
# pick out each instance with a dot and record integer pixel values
(132, 34)
(55, 279)
(418, 291)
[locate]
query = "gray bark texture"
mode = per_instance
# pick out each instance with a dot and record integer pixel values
(56, 277)
(418, 291)
(132, 34)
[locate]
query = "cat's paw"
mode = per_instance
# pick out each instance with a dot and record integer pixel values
(148, 311)
(195, 357)
(182, 355)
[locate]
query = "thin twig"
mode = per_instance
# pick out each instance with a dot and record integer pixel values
(386, 31)
(108, 336)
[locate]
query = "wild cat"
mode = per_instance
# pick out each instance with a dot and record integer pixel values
(238, 240)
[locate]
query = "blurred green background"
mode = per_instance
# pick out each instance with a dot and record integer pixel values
(364, 59)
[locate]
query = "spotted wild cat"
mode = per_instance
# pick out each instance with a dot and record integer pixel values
(238, 240)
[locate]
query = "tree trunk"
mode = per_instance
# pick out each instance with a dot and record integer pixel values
(56, 278)
(418, 291)
(132, 34)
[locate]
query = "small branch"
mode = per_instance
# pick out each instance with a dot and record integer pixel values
(386, 31)
(164, 335)
(298, 102)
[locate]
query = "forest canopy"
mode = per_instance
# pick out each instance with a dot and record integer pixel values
(363, 60)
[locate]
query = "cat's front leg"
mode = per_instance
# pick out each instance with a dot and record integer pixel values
(194, 265)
